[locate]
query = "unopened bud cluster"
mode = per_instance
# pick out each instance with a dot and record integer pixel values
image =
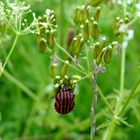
(62, 77)
(95, 2)
(70, 82)
(104, 53)
(88, 24)
(88, 21)
(46, 28)
(120, 28)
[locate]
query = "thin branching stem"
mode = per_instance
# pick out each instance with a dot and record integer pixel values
(69, 55)
(131, 94)
(72, 66)
(105, 100)
(122, 75)
(94, 85)
(11, 51)
(110, 129)
(62, 49)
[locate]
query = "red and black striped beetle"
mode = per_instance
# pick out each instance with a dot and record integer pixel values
(64, 100)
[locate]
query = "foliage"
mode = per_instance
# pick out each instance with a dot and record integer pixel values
(95, 49)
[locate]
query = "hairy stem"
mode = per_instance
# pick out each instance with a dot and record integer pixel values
(122, 75)
(112, 126)
(94, 85)
(105, 100)
(131, 94)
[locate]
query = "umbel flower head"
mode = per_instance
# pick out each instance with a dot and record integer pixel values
(45, 30)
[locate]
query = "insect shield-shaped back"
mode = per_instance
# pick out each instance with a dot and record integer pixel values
(64, 100)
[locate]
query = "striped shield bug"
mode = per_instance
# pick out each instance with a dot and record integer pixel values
(64, 100)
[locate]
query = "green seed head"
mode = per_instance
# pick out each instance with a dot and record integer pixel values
(108, 55)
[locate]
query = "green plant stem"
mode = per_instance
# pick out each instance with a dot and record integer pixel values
(20, 85)
(11, 51)
(105, 100)
(72, 66)
(87, 54)
(131, 94)
(69, 55)
(122, 75)
(62, 49)
(112, 126)
(94, 102)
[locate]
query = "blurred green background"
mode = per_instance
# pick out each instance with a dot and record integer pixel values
(24, 117)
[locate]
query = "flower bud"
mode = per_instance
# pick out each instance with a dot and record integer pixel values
(64, 68)
(108, 55)
(76, 15)
(81, 14)
(95, 2)
(73, 84)
(97, 14)
(76, 77)
(116, 26)
(120, 38)
(56, 86)
(126, 20)
(85, 29)
(73, 45)
(115, 46)
(51, 39)
(97, 50)
(84, 13)
(66, 81)
(99, 58)
(52, 70)
(57, 79)
(70, 37)
(79, 45)
(42, 45)
(94, 30)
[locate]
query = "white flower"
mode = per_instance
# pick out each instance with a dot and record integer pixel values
(124, 44)
(130, 34)
(48, 11)
(122, 28)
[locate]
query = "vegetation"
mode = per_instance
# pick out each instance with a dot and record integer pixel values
(92, 47)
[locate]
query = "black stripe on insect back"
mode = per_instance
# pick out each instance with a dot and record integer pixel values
(61, 102)
(64, 102)
(67, 101)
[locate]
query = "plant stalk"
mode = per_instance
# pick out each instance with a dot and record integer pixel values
(11, 51)
(94, 85)
(111, 128)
